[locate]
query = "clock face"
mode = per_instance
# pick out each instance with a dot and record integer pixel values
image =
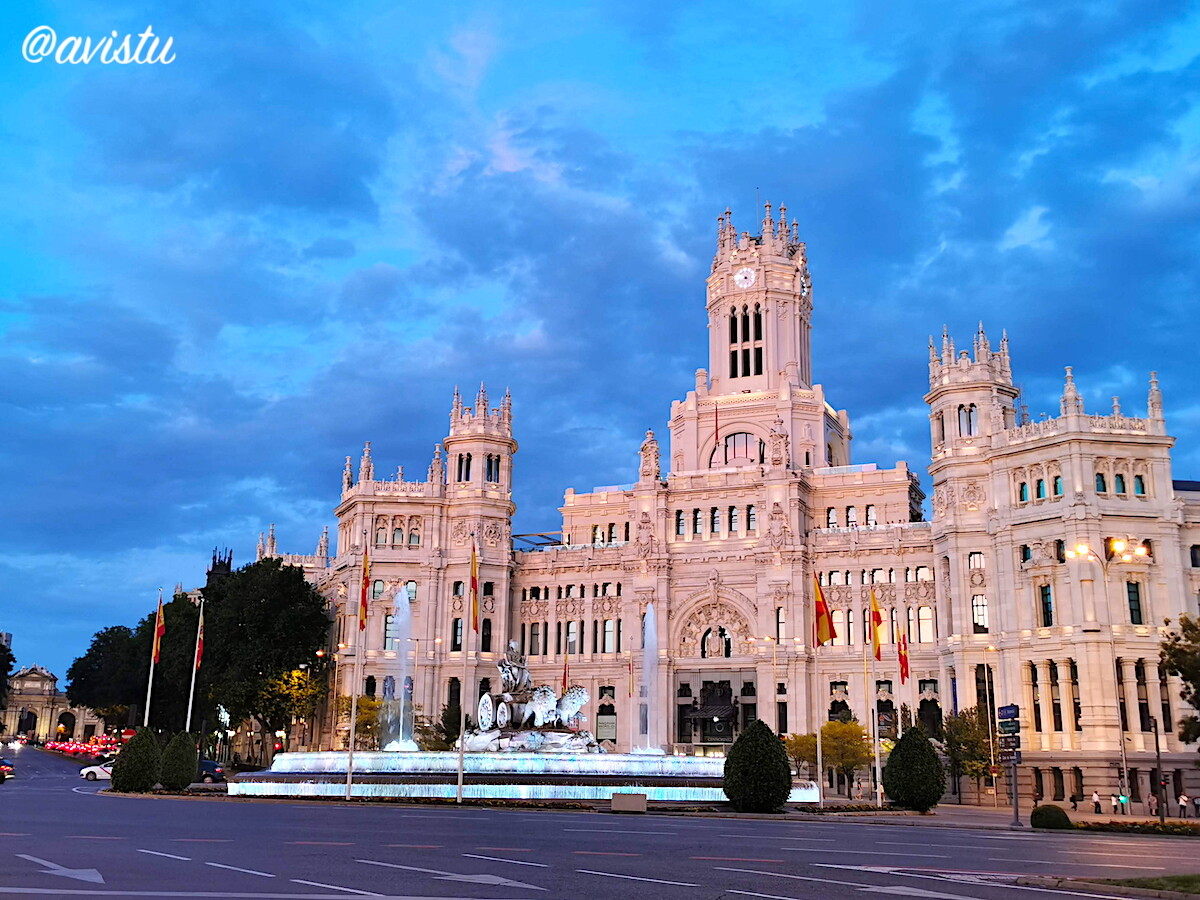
(743, 277)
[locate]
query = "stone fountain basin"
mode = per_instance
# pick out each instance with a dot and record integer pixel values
(527, 776)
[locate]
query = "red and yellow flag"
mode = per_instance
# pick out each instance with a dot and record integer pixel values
(823, 629)
(160, 628)
(474, 588)
(200, 638)
(902, 656)
(366, 586)
(876, 622)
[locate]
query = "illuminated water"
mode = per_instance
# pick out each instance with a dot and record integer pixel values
(652, 745)
(394, 719)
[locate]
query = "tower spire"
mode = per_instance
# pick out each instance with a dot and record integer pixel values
(348, 475)
(366, 468)
(271, 548)
(481, 401)
(456, 407)
(1070, 403)
(1154, 402)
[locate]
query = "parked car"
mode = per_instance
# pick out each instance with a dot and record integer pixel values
(6, 770)
(210, 772)
(93, 773)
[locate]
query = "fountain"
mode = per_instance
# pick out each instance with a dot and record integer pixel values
(529, 746)
(393, 717)
(649, 683)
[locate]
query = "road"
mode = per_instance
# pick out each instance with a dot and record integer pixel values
(62, 837)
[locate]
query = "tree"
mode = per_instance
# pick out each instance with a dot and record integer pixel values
(366, 730)
(1180, 655)
(968, 746)
(6, 666)
(135, 770)
(179, 762)
(447, 724)
(802, 749)
(261, 623)
(107, 678)
(913, 776)
(757, 775)
(844, 748)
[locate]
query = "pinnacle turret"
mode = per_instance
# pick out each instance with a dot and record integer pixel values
(366, 468)
(1070, 403)
(1154, 407)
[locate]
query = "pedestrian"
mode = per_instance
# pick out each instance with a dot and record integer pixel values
(1115, 801)
(1183, 804)
(1096, 802)
(1154, 804)
(1075, 803)
(1196, 805)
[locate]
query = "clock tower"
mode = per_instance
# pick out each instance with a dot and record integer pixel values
(759, 308)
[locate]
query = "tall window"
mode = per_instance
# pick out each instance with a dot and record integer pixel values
(733, 520)
(1119, 483)
(610, 637)
(535, 639)
(1139, 485)
(751, 518)
(697, 522)
(979, 614)
(925, 633)
(573, 638)
(1133, 592)
(1046, 605)
(1023, 492)
(398, 537)
(714, 519)
(389, 632)
(745, 341)
(1101, 484)
(1058, 486)
(485, 636)
(968, 420)
(831, 518)
(851, 516)
(975, 560)
(680, 523)
(377, 589)
(456, 634)
(1040, 489)
(871, 517)
(464, 467)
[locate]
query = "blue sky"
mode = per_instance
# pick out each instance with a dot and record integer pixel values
(218, 277)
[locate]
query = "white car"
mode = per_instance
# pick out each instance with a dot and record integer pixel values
(94, 773)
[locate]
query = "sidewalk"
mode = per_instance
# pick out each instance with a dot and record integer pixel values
(970, 815)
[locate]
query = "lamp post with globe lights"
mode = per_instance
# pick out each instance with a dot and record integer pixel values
(1119, 551)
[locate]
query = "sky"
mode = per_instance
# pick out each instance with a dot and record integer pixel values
(221, 274)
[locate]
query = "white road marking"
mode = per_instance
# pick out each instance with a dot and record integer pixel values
(167, 855)
(334, 887)
(866, 852)
(891, 870)
(207, 895)
(1078, 865)
(903, 891)
(636, 878)
(616, 831)
(515, 862)
(239, 869)
(784, 837)
(784, 875)
(55, 869)
(388, 865)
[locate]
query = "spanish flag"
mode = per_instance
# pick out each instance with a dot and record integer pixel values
(160, 628)
(474, 589)
(366, 586)
(823, 624)
(902, 656)
(876, 622)
(200, 637)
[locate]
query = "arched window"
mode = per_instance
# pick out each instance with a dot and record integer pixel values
(751, 518)
(1023, 492)
(1101, 484)
(831, 519)
(968, 420)
(414, 538)
(1119, 483)
(369, 686)
(1058, 486)
(398, 537)
(1040, 489)
(697, 522)
(1139, 485)
(485, 636)
(851, 516)
(871, 519)
(380, 537)
(714, 519)
(733, 519)
(459, 589)
(739, 449)
(680, 524)
(377, 589)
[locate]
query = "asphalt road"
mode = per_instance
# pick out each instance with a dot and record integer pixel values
(61, 837)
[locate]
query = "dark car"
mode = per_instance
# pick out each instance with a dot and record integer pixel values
(6, 770)
(210, 772)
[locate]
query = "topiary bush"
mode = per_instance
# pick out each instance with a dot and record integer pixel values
(135, 770)
(758, 777)
(914, 777)
(178, 767)
(1049, 816)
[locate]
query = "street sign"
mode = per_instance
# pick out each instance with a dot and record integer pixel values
(1010, 741)
(1010, 757)
(126, 735)
(1008, 712)
(1009, 726)
(995, 770)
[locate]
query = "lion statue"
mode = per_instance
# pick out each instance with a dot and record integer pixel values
(542, 707)
(572, 701)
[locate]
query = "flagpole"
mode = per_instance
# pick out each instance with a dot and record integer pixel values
(820, 715)
(195, 667)
(463, 694)
(360, 651)
(153, 660)
(875, 743)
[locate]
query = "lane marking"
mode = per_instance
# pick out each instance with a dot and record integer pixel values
(514, 862)
(321, 843)
(94, 837)
(735, 859)
(507, 849)
(417, 846)
(203, 840)
(239, 869)
(928, 845)
(336, 887)
(1078, 865)
(603, 853)
(889, 870)
(783, 837)
(866, 852)
(617, 831)
(167, 855)
(636, 878)
(388, 865)
(14, 834)
(857, 884)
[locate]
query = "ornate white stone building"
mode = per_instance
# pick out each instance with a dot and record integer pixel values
(755, 495)
(37, 708)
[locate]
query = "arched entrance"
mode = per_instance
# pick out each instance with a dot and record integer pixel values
(27, 722)
(66, 726)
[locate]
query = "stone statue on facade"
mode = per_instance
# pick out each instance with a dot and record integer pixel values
(650, 458)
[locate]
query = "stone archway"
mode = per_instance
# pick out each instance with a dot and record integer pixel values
(66, 725)
(713, 630)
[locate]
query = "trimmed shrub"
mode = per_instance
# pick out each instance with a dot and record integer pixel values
(135, 771)
(913, 776)
(758, 777)
(179, 762)
(1049, 816)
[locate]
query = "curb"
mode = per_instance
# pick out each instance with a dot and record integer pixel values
(1095, 887)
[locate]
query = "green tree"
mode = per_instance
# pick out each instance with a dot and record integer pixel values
(969, 747)
(366, 731)
(757, 775)
(107, 677)
(802, 750)
(6, 667)
(447, 724)
(179, 762)
(135, 770)
(913, 776)
(1180, 655)
(261, 623)
(845, 749)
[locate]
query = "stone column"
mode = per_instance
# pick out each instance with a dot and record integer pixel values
(1051, 739)
(1132, 718)
(1066, 701)
(1028, 727)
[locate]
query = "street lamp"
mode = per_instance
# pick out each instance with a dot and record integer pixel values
(1123, 551)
